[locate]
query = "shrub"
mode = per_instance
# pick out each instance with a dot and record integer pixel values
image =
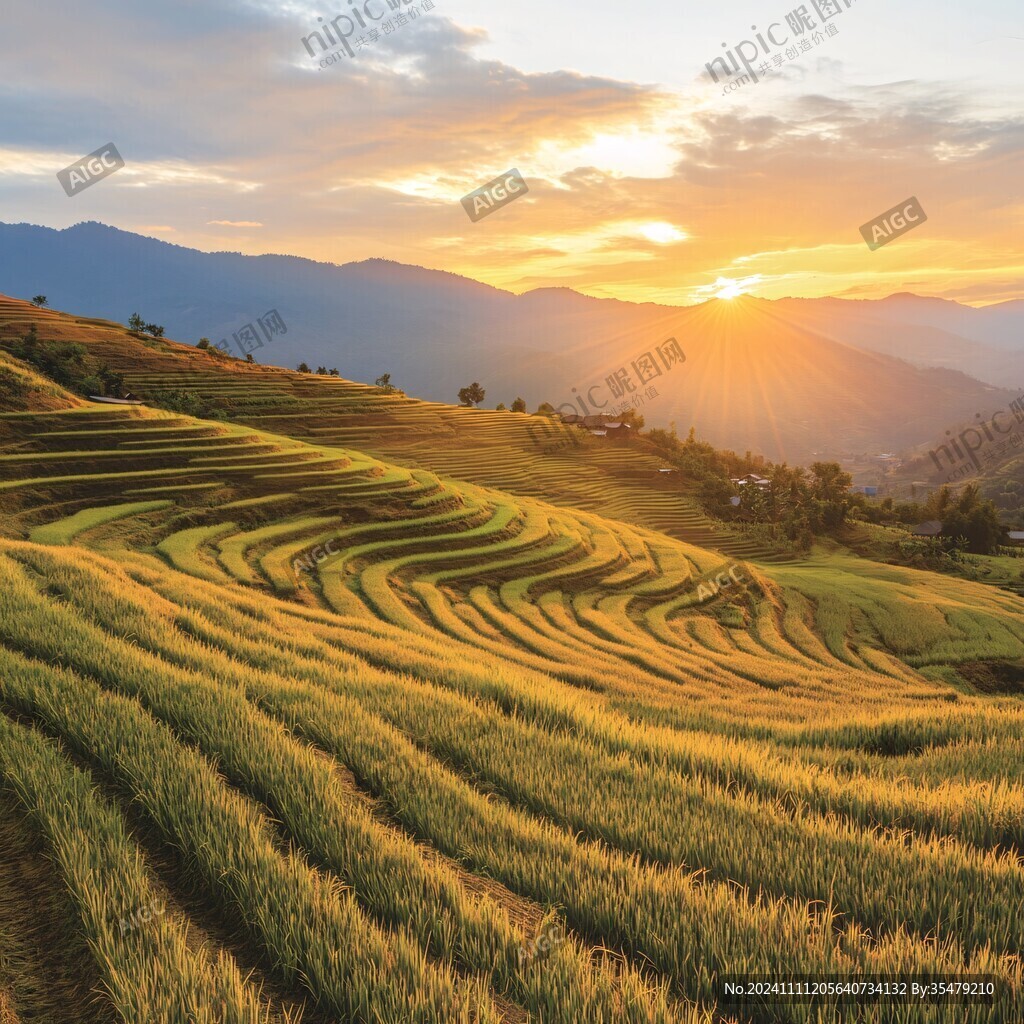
(188, 403)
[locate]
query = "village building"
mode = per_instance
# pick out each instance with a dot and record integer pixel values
(128, 399)
(751, 479)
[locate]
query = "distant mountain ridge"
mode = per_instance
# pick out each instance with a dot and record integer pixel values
(795, 379)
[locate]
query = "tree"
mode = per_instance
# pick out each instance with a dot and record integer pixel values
(203, 343)
(321, 371)
(384, 382)
(519, 405)
(91, 385)
(191, 403)
(472, 394)
(545, 409)
(249, 358)
(333, 371)
(830, 494)
(39, 300)
(303, 368)
(113, 382)
(633, 418)
(136, 323)
(756, 503)
(937, 504)
(716, 493)
(973, 521)
(67, 363)
(155, 330)
(500, 407)
(787, 492)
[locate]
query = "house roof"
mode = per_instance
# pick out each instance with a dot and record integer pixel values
(931, 528)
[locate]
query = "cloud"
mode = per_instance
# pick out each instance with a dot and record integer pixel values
(370, 156)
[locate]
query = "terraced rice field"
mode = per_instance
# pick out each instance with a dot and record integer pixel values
(494, 449)
(294, 731)
(503, 450)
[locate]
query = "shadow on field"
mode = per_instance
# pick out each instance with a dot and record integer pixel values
(995, 678)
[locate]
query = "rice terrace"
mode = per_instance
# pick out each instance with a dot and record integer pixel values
(349, 677)
(366, 787)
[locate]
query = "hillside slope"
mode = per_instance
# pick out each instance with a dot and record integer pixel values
(307, 732)
(21, 388)
(512, 452)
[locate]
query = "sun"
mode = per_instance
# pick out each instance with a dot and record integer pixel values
(729, 290)
(730, 287)
(661, 232)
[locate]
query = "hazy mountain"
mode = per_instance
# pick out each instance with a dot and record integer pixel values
(984, 343)
(794, 379)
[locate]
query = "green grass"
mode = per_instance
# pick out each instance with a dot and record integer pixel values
(64, 531)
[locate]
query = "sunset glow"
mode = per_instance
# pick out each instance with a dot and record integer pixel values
(649, 181)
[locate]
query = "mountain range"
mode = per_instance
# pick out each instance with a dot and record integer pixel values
(793, 379)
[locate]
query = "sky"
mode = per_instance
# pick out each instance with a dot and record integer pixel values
(648, 180)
